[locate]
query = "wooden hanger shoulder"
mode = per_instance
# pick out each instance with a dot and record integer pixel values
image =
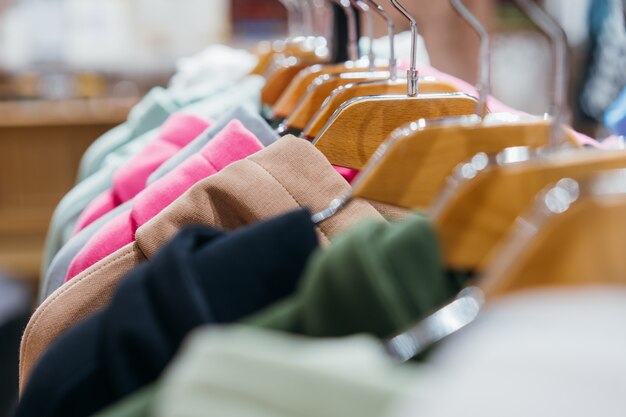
(582, 246)
(277, 81)
(360, 125)
(267, 51)
(413, 168)
(479, 211)
(264, 61)
(298, 87)
(321, 88)
(353, 90)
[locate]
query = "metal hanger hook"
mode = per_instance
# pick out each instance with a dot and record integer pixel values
(558, 39)
(369, 30)
(391, 32)
(484, 61)
(307, 16)
(321, 19)
(412, 75)
(294, 17)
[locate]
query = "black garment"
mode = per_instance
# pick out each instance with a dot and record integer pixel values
(15, 305)
(202, 276)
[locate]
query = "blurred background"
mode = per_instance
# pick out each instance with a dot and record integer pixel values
(71, 70)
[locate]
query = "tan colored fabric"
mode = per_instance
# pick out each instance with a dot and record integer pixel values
(287, 175)
(391, 213)
(293, 175)
(71, 303)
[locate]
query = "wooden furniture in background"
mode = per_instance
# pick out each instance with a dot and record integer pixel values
(41, 143)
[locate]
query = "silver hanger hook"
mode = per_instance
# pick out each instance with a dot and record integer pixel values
(353, 34)
(558, 39)
(391, 32)
(322, 22)
(369, 30)
(294, 17)
(307, 16)
(319, 8)
(484, 62)
(412, 75)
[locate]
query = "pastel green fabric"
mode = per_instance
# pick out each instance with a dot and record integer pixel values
(73, 203)
(137, 405)
(378, 278)
(245, 372)
(148, 114)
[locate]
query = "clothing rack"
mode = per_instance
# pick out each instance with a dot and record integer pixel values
(276, 212)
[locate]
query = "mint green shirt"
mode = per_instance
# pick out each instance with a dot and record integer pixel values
(246, 372)
(145, 116)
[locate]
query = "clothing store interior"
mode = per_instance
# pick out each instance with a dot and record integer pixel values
(312, 208)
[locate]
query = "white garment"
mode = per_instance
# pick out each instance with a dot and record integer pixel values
(224, 62)
(214, 62)
(402, 41)
(248, 372)
(539, 354)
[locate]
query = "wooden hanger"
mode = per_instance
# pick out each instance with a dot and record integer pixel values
(360, 125)
(298, 88)
(573, 236)
(486, 194)
(411, 168)
(317, 92)
(279, 78)
(301, 48)
(306, 91)
(360, 84)
(332, 91)
(392, 168)
(288, 81)
(323, 111)
(300, 44)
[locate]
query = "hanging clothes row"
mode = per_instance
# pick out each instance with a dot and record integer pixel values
(280, 234)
